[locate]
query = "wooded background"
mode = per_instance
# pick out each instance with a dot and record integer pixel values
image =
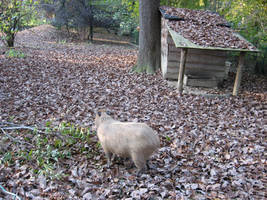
(122, 17)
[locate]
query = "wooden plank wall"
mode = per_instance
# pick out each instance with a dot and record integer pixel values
(199, 62)
(164, 48)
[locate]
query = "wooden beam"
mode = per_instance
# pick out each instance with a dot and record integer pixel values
(181, 69)
(238, 76)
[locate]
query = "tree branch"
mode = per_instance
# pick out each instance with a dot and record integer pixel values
(14, 139)
(30, 128)
(17, 127)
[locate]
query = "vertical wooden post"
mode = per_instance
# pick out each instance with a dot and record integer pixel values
(238, 76)
(181, 69)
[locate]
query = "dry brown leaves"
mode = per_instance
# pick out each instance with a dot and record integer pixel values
(211, 148)
(205, 28)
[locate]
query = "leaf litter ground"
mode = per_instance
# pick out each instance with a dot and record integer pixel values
(211, 148)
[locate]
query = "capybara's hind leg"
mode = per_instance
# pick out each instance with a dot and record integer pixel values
(108, 155)
(139, 162)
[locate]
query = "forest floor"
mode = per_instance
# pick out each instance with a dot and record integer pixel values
(50, 88)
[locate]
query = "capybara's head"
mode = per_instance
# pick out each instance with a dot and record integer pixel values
(101, 116)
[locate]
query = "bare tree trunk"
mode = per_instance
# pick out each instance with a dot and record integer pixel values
(149, 37)
(11, 40)
(91, 18)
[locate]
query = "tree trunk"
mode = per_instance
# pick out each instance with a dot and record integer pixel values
(91, 23)
(11, 39)
(149, 37)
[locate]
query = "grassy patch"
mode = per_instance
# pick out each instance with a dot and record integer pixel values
(12, 53)
(45, 150)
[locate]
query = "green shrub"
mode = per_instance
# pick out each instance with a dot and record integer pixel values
(12, 53)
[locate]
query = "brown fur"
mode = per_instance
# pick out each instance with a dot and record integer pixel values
(126, 139)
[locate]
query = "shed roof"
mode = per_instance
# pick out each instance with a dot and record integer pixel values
(202, 29)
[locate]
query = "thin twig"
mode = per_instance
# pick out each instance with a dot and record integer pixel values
(36, 130)
(14, 195)
(22, 127)
(14, 139)
(32, 129)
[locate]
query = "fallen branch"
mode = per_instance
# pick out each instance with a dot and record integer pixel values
(17, 127)
(14, 195)
(32, 129)
(14, 139)
(25, 127)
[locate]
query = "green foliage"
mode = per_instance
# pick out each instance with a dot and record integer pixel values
(63, 41)
(12, 53)
(14, 14)
(132, 7)
(7, 158)
(168, 138)
(127, 13)
(193, 4)
(249, 18)
(49, 149)
(35, 19)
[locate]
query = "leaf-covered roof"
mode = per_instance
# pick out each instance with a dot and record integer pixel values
(203, 29)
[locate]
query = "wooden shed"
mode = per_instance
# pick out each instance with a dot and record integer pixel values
(199, 40)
